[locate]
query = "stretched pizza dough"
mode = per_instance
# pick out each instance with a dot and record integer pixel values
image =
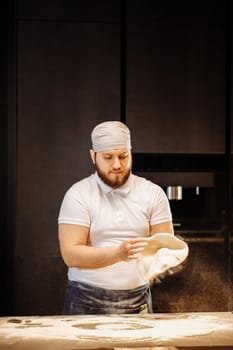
(163, 253)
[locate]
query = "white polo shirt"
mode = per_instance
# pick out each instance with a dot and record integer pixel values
(114, 215)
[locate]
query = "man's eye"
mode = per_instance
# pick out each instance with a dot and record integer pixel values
(107, 157)
(123, 156)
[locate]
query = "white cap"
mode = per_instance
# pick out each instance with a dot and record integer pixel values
(110, 135)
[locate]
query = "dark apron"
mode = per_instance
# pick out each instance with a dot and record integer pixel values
(84, 299)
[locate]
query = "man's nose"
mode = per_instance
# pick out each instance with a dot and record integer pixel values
(116, 163)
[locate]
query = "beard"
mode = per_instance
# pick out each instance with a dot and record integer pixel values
(117, 182)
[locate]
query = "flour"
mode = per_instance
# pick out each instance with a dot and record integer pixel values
(111, 329)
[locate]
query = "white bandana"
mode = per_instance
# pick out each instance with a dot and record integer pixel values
(110, 135)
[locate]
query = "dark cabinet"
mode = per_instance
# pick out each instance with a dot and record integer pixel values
(176, 76)
(68, 79)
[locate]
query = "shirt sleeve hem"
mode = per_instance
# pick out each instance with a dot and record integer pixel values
(72, 222)
(155, 222)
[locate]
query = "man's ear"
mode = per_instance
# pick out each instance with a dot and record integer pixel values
(92, 154)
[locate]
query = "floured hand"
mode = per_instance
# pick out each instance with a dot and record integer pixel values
(131, 249)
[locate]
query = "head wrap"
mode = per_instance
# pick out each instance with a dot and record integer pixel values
(110, 135)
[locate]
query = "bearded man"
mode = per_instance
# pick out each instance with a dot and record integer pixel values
(105, 222)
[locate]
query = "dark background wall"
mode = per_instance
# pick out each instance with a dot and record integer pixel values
(161, 67)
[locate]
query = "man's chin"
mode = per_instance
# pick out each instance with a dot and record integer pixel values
(117, 184)
(115, 181)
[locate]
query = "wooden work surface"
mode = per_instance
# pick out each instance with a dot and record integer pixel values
(117, 331)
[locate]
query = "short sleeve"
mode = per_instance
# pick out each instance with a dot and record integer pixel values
(73, 209)
(161, 211)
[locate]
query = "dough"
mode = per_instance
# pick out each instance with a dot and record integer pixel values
(163, 253)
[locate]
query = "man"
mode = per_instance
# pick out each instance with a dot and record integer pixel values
(104, 224)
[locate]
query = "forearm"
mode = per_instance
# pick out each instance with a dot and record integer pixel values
(91, 257)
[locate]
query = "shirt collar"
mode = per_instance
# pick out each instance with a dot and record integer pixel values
(124, 189)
